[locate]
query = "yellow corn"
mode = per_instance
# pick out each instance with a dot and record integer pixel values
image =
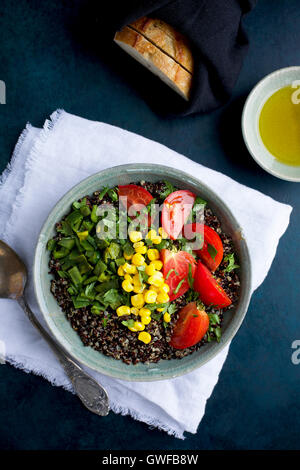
(127, 286)
(150, 269)
(160, 309)
(127, 257)
(144, 337)
(145, 320)
(123, 310)
(150, 296)
(162, 298)
(156, 280)
(137, 300)
(131, 328)
(135, 236)
(121, 271)
(157, 264)
(136, 280)
(134, 311)
(138, 259)
(145, 312)
(128, 277)
(162, 232)
(156, 240)
(156, 289)
(153, 254)
(165, 288)
(167, 317)
(138, 288)
(129, 268)
(139, 326)
(151, 234)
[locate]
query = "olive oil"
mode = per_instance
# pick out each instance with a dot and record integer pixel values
(279, 125)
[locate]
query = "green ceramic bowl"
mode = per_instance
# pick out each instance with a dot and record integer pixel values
(61, 328)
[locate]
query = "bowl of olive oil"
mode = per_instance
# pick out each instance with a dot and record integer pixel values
(271, 123)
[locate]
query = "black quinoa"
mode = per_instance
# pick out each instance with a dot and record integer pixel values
(106, 334)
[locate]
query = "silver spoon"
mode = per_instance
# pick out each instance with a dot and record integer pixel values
(13, 277)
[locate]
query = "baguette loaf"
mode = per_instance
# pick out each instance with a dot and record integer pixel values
(167, 39)
(172, 65)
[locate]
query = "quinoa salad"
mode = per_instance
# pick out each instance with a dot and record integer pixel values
(143, 272)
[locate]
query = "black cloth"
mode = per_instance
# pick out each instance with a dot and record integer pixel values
(219, 44)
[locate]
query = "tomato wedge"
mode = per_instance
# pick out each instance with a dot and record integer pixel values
(211, 252)
(211, 293)
(176, 209)
(176, 270)
(190, 327)
(135, 195)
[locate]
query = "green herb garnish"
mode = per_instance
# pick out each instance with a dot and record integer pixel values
(231, 264)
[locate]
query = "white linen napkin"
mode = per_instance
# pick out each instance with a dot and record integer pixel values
(48, 162)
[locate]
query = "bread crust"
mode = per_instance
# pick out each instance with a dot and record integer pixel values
(165, 66)
(167, 39)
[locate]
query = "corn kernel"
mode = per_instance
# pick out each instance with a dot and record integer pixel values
(144, 337)
(162, 232)
(134, 311)
(137, 300)
(138, 288)
(138, 259)
(153, 254)
(129, 268)
(156, 280)
(145, 320)
(145, 312)
(121, 271)
(161, 309)
(131, 328)
(128, 277)
(157, 264)
(156, 240)
(150, 269)
(127, 257)
(162, 298)
(151, 234)
(150, 296)
(165, 288)
(123, 310)
(136, 280)
(141, 249)
(135, 236)
(156, 289)
(139, 326)
(127, 286)
(167, 317)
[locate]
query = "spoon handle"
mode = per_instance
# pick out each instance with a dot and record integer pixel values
(93, 395)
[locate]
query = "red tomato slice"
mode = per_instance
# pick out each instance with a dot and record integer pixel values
(190, 327)
(176, 269)
(176, 209)
(135, 194)
(211, 293)
(211, 239)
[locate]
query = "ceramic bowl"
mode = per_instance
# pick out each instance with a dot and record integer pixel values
(57, 321)
(250, 122)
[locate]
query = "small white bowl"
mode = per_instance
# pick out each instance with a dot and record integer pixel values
(250, 122)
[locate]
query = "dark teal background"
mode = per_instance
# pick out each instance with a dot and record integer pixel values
(49, 60)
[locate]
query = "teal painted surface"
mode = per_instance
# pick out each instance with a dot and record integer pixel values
(47, 61)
